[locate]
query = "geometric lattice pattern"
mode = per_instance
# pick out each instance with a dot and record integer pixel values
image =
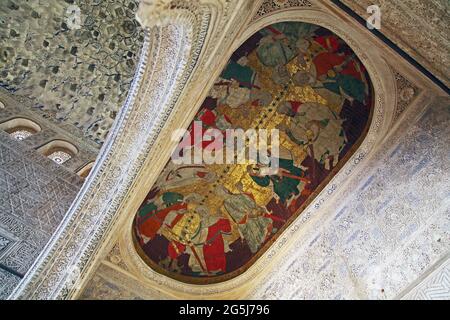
(60, 157)
(435, 287)
(21, 134)
(407, 92)
(35, 193)
(389, 230)
(269, 6)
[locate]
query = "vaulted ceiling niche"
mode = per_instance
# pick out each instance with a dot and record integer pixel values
(74, 60)
(204, 224)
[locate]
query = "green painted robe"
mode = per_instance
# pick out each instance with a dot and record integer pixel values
(350, 85)
(243, 74)
(284, 187)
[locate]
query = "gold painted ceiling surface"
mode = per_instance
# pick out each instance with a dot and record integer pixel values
(205, 223)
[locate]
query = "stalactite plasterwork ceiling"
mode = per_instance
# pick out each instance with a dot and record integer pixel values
(208, 223)
(77, 74)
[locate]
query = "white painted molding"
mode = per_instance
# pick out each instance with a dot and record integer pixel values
(433, 286)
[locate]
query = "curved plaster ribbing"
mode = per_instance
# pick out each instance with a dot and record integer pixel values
(169, 55)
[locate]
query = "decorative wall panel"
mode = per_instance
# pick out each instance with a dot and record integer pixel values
(418, 27)
(35, 193)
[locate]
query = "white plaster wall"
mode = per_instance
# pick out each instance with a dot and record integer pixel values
(390, 230)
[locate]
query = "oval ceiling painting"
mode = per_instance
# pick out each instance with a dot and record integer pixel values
(206, 223)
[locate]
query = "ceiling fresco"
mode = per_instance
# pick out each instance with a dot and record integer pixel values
(207, 223)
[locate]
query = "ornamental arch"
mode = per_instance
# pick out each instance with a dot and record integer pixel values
(20, 128)
(59, 151)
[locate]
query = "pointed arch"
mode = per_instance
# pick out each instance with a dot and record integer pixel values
(20, 128)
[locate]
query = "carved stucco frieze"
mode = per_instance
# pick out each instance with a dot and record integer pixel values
(269, 6)
(418, 27)
(407, 92)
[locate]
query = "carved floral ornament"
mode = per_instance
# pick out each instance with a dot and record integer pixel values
(170, 62)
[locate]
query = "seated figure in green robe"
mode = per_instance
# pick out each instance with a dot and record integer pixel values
(345, 84)
(285, 181)
(239, 72)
